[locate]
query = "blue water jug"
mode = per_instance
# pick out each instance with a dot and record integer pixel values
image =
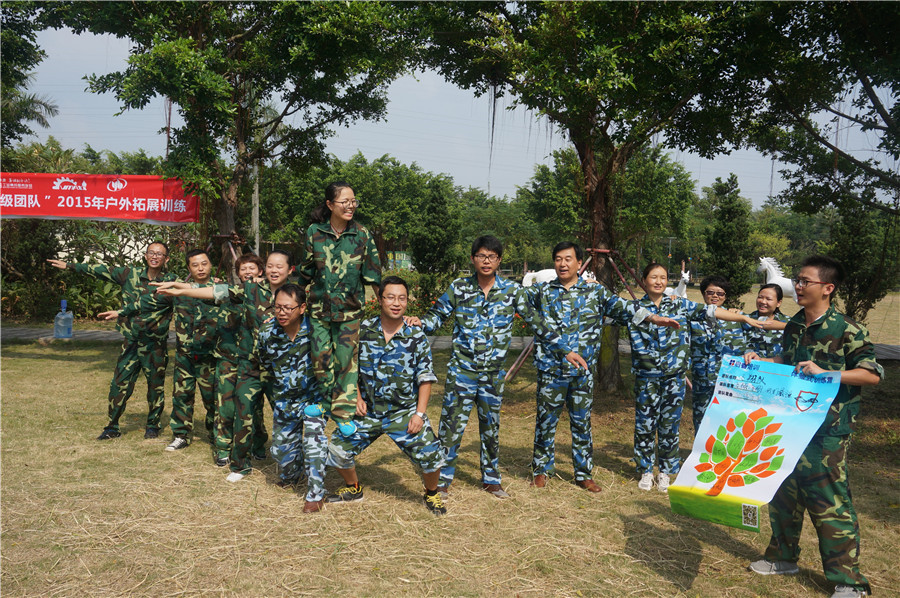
(62, 325)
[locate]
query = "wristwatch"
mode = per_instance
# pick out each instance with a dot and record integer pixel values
(422, 415)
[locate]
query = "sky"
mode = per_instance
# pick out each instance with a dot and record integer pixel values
(441, 128)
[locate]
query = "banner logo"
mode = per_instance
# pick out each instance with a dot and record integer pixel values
(116, 185)
(67, 184)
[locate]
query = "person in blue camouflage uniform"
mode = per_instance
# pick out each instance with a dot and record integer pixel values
(144, 323)
(819, 340)
(283, 350)
(710, 340)
(340, 258)
(766, 342)
(659, 360)
(483, 307)
(395, 374)
(575, 309)
(256, 301)
(196, 330)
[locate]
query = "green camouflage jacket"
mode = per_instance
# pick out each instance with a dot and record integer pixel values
(833, 342)
(144, 314)
(338, 268)
(196, 325)
(255, 301)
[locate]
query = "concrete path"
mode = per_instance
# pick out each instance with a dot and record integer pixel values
(885, 352)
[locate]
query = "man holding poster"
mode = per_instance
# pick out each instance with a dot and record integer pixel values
(819, 340)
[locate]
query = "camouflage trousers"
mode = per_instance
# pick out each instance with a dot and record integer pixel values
(463, 390)
(315, 453)
(192, 372)
(150, 356)
(701, 395)
(287, 438)
(576, 394)
(657, 415)
(247, 419)
(422, 448)
(226, 406)
(819, 485)
(334, 347)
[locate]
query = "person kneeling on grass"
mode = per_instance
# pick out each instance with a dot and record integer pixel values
(395, 375)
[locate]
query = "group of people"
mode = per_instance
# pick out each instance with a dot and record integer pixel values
(309, 350)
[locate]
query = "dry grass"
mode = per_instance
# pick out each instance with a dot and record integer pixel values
(125, 518)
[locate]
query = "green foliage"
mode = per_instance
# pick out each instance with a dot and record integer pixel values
(729, 253)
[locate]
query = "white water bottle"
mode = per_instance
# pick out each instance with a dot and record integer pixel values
(62, 324)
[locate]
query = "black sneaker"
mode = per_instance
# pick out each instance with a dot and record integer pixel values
(151, 433)
(260, 455)
(345, 494)
(221, 461)
(108, 434)
(434, 503)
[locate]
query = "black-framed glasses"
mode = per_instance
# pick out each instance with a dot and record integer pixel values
(352, 203)
(284, 309)
(802, 282)
(157, 254)
(483, 257)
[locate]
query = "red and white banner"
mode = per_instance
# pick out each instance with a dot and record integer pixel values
(138, 198)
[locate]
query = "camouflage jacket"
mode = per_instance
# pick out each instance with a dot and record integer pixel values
(196, 325)
(710, 340)
(576, 315)
(766, 343)
(391, 372)
(255, 300)
(833, 342)
(144, 313)
(229, 326)
(338, 268)
(288, 363)
(482, 327)
(659, 351)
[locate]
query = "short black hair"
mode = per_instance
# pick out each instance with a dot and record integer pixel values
(251, 258)
(779, 292)
(286, 255)
(488, 242)
(391, 280)
(652, 266)
(292, 289)
(194, 253)
(166, 247)
(830, 270)
(716, 280)
(563, 245)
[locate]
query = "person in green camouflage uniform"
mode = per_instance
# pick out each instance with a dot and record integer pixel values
(767, 342)
(340, 258)
(196, 331)
(144, 323)
(819, 339)
(255, 300)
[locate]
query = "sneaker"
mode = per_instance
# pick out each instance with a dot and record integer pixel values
(151, 433)
(347, 428)
(177, 444)
(345, 494)
(221, 461)
(108, 434)
(495, 490)
(847, 592)
(444, 491)
(646, 482)
(235, 476)
(434, 503)
(764, 567)
(662, 482)
(314, 411)
(260, 455)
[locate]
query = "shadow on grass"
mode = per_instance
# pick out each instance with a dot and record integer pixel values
(65, 354)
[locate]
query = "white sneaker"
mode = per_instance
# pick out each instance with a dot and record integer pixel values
(646, 482)
(177, 444)
(234, 477)
(847, 592)
(662, 482)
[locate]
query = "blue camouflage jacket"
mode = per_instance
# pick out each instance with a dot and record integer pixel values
(576, 315)
(288, 363)
(659, 351)
(482, 326)
(391, 372)
(766, 343)
(710, 340)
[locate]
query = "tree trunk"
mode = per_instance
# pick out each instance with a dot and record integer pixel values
(223, 206)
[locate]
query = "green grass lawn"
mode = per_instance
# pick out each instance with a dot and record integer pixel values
(125, 518)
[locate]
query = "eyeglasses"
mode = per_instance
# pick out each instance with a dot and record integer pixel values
(394, 298)
(802, 282)
(715, 293)
(284, 309)
(156, 254)
(353, 203)
(490, 259)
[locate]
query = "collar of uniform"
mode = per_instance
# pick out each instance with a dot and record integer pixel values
(405, 330)
(580, 283)
(800, 317)
(325, 227)
(145, 274)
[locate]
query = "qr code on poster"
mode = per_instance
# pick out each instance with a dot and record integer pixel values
(750, 516)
